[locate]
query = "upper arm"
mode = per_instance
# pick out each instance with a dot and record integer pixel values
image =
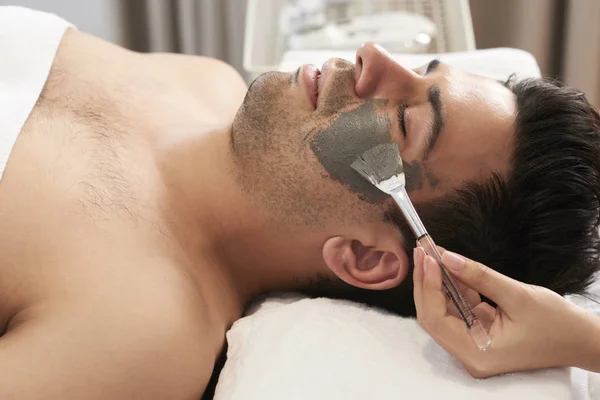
(89, 355)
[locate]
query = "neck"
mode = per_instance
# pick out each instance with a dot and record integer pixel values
(236, 251)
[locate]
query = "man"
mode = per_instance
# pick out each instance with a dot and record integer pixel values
(146, 201)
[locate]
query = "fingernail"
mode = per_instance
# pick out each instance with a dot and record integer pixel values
(453, 261)
(427, 266)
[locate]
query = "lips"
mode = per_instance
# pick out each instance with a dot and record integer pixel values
(310, 75)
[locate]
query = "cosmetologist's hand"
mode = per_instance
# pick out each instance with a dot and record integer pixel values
(531, 327)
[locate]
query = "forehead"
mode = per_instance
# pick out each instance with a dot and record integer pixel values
(479, 115)
(464, 89)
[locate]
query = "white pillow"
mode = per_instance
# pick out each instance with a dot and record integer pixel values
(297, 348)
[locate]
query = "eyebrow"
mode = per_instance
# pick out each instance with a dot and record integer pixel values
(432, 66)
(435, 100)
(438, 121)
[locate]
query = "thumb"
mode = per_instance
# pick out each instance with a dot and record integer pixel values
(499, 288)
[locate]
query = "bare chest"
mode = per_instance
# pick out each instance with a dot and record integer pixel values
(82, 189)
(88, 152)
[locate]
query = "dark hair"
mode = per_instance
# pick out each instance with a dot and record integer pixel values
(540, 224)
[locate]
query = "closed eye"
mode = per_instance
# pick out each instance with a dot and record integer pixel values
(401, 110)
(431, 67)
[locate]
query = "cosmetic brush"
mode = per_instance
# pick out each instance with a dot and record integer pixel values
(382, 166)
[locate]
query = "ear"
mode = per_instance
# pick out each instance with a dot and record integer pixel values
(378, 265)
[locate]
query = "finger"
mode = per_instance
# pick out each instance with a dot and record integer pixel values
(499, 288)
(486, 314)
(452, 310)
(472, 296)
(433, 296)
(418, 278)
(418, 266)
(432, 275)
(452, 334)
(448, 331)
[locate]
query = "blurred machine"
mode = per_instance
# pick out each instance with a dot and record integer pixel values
(274, 27)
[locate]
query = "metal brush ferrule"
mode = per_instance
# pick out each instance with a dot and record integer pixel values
(400, 196)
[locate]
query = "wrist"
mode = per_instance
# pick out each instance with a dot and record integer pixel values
(595, 354)
(586, 343)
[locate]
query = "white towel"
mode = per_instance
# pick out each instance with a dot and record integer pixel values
(28, 43)
(295, 348)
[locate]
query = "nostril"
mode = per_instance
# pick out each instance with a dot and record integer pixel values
(358, 68)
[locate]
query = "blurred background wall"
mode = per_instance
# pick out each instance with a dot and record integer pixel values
(213, 28)
(563, 35)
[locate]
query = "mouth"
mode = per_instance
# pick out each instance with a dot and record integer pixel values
(310, 80)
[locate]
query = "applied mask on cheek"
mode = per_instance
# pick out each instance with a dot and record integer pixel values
(350, 135)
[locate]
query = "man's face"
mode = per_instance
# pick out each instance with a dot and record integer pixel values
(296, 134)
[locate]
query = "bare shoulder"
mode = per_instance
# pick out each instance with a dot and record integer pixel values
(198, 68)
(114, 343)
(212, 81)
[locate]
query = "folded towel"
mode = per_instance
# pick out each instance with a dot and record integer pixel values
(29, 40)
(296, 348)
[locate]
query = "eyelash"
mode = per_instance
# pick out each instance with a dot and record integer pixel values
(401, 110)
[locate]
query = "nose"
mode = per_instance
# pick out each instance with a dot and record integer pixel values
(378, 75)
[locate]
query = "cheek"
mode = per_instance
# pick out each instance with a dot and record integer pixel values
(352, 133)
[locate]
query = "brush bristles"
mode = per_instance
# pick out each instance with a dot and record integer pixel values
(379, 164)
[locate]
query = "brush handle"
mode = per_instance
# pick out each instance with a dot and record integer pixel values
(476, 329)
(400, 196)
(425, 241)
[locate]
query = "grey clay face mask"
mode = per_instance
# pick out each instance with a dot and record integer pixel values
(350, 135)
